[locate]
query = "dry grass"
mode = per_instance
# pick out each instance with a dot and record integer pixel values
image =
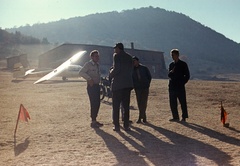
(59, 131)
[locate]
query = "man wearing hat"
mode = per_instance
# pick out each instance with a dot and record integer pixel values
(122, 84)
(141, 81)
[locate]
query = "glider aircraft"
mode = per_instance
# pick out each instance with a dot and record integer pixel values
(20, 72)
(65, 70)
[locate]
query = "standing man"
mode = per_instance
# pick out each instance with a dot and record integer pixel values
(122, 84)
(178, 77)
(141, 81)
(91, 73)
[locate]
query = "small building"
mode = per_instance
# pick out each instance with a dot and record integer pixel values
(11, 61)
(154, 60)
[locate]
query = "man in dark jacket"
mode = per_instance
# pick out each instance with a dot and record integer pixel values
(178, 77)
(141, 81)
(122, 84)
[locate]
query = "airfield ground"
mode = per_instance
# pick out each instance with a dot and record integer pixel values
(59, 131)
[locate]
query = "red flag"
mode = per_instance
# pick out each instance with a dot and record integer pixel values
(23, 114)
(223, 115)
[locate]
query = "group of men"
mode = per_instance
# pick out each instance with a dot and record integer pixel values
(127, 74)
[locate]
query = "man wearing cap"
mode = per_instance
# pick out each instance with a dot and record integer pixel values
(122, 84)
(141, 81)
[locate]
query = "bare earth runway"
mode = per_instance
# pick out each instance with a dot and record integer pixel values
(59, 132)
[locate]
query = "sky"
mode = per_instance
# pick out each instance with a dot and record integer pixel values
(220, 15)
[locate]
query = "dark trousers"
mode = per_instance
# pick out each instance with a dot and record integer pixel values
(94, 97)
(142, 99)
(121, 96)
(181, 96)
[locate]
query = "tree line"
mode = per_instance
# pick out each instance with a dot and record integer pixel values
(18, 38)
(9, 40)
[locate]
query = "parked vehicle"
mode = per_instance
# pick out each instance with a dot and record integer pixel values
(105, 88)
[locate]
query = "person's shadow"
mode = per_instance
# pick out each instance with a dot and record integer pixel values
(157, 150)
(20, 148)
(163, 148)
(214, 134)
(184, 149)
(123, 155)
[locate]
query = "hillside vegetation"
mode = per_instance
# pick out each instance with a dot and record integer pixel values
(10, 43)
(208, 52)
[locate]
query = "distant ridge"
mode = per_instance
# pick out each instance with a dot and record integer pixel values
(208, 52)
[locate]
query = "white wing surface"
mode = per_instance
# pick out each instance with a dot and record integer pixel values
(62, 67)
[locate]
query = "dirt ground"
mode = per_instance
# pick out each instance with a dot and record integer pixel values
(59, 131)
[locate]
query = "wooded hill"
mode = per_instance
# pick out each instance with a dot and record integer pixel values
(206, 51)
(9, 42)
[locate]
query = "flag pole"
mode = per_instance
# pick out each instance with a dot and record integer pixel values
(17, 121)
